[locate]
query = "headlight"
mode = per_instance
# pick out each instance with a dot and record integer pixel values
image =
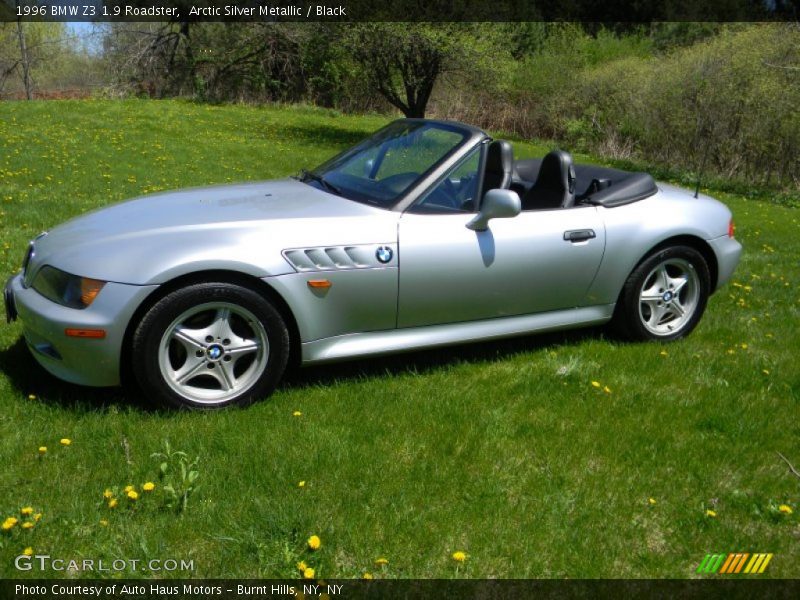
(25, 264)
(65, 289)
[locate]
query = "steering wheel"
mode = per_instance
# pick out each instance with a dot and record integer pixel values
(450, 193)
(445, 195)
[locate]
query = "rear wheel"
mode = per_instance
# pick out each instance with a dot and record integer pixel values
(665, 295)
(210, 345)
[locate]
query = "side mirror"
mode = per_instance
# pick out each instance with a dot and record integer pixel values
(497, 204)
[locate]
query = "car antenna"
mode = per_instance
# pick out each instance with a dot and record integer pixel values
(700, 173)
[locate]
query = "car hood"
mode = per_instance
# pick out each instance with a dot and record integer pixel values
(242, 226)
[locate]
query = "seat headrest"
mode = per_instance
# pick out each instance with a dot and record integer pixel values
(557, 170)
(500, 157)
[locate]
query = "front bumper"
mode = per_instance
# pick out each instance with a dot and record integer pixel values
(85, 361)
(8, 300)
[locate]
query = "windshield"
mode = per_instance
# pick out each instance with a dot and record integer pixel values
(383, 167)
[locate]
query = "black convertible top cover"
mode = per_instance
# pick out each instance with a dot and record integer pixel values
(616, 187)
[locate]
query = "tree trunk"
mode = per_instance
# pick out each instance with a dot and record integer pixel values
(26, 65)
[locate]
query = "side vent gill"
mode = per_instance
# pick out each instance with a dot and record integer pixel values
(334, 258)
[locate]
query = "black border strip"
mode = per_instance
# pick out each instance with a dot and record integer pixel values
(595, 11)
(732, 588)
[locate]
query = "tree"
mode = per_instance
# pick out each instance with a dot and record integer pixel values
(403, 61)
(28, 51)
(25, 61)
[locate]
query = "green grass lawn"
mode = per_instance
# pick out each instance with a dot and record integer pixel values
(505, 451)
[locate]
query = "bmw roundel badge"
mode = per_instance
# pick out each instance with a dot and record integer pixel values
(384, 254)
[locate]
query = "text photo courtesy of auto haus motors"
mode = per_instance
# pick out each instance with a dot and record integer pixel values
(427, 213)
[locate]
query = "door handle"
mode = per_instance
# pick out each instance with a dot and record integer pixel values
(579, 235)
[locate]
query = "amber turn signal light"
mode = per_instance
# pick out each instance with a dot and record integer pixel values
(319, 283)
(89, 290)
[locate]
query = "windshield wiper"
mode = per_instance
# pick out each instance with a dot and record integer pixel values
(306, 175)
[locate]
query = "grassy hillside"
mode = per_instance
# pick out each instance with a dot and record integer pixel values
(505, 451)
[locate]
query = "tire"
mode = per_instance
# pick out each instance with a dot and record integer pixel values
(209, 346)
(665, 296)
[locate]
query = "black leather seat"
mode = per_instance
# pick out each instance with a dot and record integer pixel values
(499, 164)
(555, 184)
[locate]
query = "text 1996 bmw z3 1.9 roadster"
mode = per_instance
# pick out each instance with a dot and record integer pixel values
(427, 233)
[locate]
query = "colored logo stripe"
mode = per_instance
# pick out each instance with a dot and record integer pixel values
(734, 563)
(758, 563)
(711, 563)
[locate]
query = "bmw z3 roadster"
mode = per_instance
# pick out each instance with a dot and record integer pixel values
(426, 234)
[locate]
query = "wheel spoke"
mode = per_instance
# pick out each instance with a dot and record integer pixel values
(676, 308)
(656, 315)
(677, 283)
(223, 373)
(662, 278)
(221, 327)
(190, 368)
(240, 347)
(649, 296)
(188, 338)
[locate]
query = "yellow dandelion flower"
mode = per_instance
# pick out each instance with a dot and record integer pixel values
(367, 576)
(37, 517)
(459, 556)
(651, 501)
(664, 353)
(785, 509)
(149, 486)
(308, 573)
(65, 441)
(743, 346)
(711, 513)
(302, 566)
(26, 511)
(104, 522)
(113, 503)
(297, 413)
(314, 542)
(108, 494)
(9, 523)
(133, 495)
(42, 449)
(27, 525)
(382, 561)
(28, 551)
(765, 371)
(596, 384)
(301, 484)
(606, 389)
(128, 488)
(31, 396)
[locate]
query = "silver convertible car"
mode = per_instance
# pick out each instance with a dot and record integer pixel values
(426, 234)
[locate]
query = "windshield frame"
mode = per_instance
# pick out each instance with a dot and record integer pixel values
(471, 137)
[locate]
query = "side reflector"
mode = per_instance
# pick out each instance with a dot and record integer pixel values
(731, 228)
(97, 334)
(319, 283)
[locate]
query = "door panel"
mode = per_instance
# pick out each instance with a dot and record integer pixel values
(521, 265)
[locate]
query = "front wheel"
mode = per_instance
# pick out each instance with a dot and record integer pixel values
(210, 345)
(665, 295)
